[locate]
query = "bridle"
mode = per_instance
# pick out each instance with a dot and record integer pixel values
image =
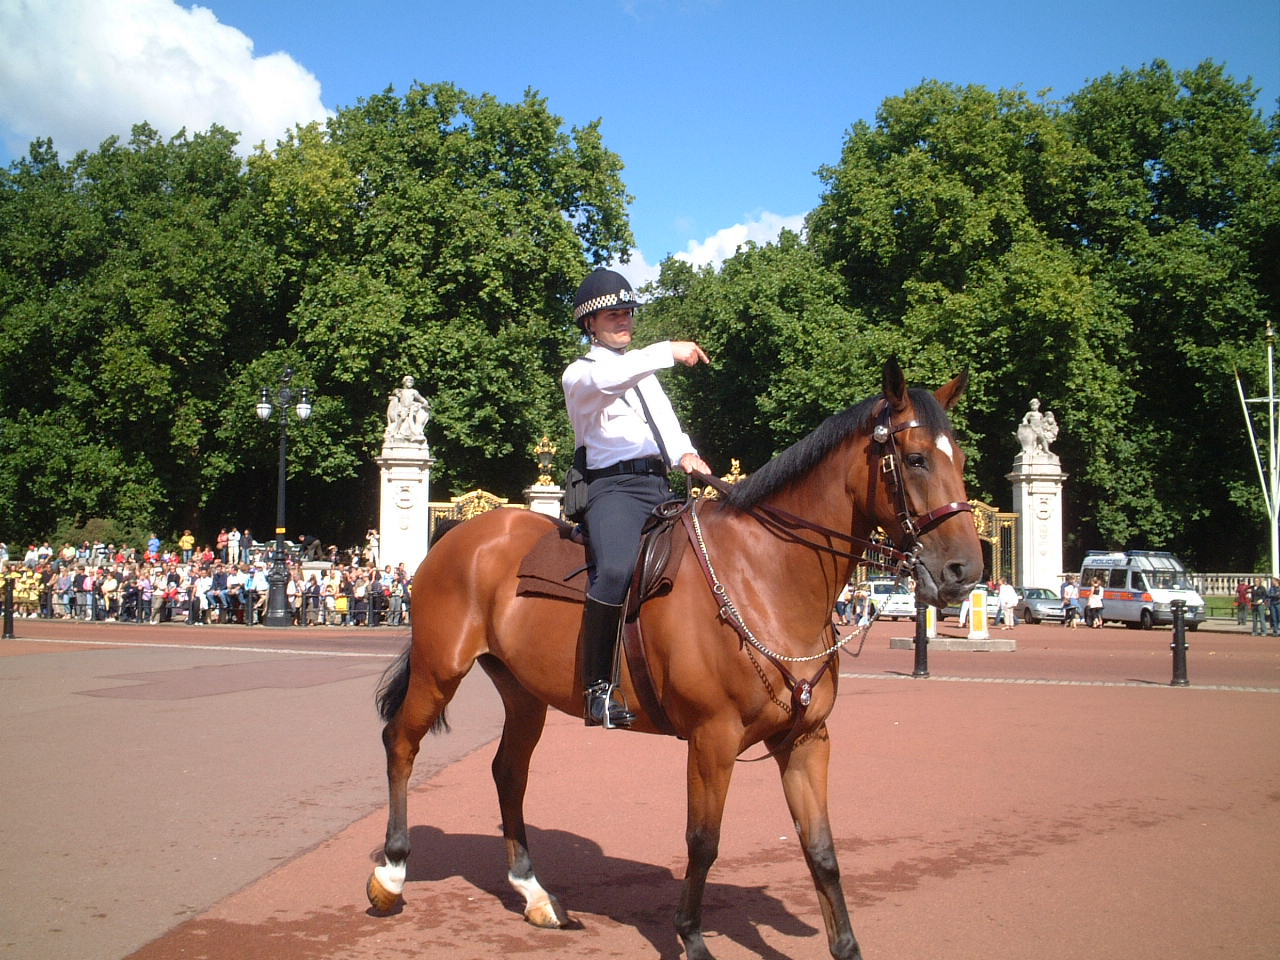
(914, 525)
(787, 525)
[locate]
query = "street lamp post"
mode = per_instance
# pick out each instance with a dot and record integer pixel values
(1268, 478)
(278, 613)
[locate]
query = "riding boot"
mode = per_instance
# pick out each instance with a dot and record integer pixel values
(596, 645)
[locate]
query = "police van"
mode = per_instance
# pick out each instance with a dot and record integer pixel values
(1139, 587)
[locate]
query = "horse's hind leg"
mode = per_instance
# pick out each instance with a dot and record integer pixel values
(412, 704)
(525, 718)
(804, 781)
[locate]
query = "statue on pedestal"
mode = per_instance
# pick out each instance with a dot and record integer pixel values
(408, 413)
(1037, 430)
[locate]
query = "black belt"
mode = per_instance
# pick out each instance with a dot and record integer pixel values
(642, 466)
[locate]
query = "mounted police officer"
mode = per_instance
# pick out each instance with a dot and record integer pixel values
(622, 417)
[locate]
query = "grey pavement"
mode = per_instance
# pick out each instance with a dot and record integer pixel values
(150, 772)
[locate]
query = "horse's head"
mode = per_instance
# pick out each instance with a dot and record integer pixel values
(917, 488)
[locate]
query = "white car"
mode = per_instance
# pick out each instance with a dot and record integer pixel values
(891, 599)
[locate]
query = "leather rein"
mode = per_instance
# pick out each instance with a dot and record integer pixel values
(787, 526)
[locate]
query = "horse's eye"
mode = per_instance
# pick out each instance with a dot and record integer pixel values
(917, 460)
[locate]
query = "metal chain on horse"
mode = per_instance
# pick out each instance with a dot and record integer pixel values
(729, 611)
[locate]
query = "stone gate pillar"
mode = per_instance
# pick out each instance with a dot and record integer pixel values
(404, 480)
(1037, 480)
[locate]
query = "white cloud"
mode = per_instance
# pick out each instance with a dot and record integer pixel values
(723, 244)
(717, 248)
(81, 70)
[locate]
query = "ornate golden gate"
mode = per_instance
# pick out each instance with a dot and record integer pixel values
(1000, 530)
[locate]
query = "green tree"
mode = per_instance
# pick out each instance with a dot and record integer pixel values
(128, 280)
(439, 234)
(1102, 254)
(779, 337)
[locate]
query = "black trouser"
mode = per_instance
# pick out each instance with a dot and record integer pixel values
(617, 508)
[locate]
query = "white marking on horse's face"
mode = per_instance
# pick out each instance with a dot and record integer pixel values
(945, 446)
(391, 876)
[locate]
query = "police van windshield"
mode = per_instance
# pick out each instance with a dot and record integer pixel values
(1166, 580)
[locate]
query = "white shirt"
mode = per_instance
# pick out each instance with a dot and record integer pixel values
(600, 395)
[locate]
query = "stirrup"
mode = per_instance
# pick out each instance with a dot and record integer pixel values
(601, 710)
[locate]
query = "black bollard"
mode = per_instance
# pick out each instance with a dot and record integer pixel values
(922, 642)
(1179, 644)
(8, 607)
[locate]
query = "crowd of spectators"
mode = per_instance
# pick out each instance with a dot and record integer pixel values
(223, 582)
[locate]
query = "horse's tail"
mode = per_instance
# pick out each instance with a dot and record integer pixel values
(394, 687)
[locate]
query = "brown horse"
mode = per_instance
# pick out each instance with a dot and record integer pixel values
(890, 461)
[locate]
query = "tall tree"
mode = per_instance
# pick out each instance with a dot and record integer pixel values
(126, 280)
(439, 234)
(1098, 253)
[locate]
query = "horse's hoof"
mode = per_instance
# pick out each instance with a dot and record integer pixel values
(548, 914)
(381, 899)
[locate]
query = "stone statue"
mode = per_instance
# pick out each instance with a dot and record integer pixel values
(407, 414)
(1037, 430)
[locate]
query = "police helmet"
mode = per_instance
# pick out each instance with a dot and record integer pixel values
(602, 290)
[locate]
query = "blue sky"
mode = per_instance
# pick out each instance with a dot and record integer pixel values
(722, 110)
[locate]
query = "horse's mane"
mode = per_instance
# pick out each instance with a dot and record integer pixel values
(803, 455)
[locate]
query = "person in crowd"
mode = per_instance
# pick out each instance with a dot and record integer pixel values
(330, 597)
(1093, 606)
(110, 585)
(129, 598)
(233, 546)
(236, 579)
(360, 607)
(146, 594)
(313, 598)
(187, 544)
(843, 600)
(395, 600)
(219, 595)
(1243, 589)
(1068, 593)
(1007, 598)
(86, 594)
(64, 597)
(200, 601)
(1273, 606)
(1258, 607)
(255, 586)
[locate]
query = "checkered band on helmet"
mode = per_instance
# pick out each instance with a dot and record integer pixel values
(601, 290)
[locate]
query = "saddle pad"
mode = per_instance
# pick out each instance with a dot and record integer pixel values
(555, 567)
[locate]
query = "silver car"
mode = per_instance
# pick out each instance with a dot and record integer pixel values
(1037, 604)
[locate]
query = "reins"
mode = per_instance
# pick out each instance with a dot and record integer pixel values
(786, 525)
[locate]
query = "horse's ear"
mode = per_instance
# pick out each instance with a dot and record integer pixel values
(949, 393)
(895, 385)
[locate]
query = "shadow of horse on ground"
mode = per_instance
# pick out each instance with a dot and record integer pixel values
(629, 892)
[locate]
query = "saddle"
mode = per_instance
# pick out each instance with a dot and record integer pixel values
(557, 566)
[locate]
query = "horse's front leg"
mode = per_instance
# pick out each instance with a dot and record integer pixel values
(710, 768)
(804, 781)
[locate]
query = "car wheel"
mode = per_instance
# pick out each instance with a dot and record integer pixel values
(1147, 621)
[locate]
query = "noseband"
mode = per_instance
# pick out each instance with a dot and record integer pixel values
(914, 525)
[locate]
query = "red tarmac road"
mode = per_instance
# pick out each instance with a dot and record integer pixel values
(218, 792)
